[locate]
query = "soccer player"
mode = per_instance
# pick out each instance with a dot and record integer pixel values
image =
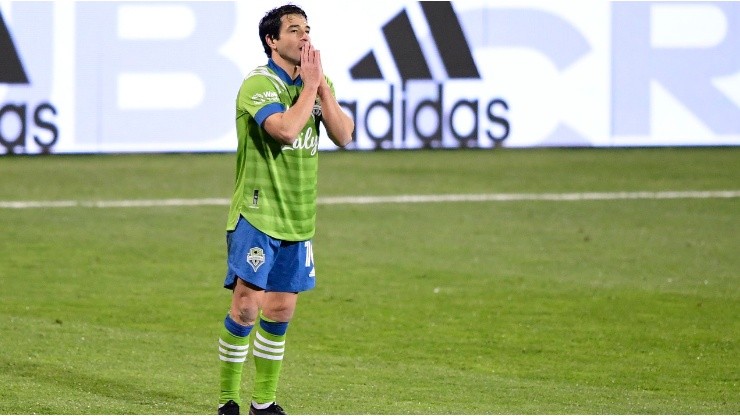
(272, 215)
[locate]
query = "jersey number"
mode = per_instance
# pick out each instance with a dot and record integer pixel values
(309, 258)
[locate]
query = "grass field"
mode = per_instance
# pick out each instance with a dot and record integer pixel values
(518, 307)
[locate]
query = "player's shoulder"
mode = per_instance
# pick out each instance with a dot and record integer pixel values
(260, 71)
(263, 76)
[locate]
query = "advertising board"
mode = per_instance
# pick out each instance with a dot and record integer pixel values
(144, 76)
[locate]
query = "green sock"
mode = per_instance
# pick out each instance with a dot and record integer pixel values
(233, 346)
(268, 349)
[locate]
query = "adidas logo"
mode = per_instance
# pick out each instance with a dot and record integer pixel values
(406, 49)
(429, 111)
(20, 120)
(11, 71)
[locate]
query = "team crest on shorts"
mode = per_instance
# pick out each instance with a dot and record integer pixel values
(256, 257)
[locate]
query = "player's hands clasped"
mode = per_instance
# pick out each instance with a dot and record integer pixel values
(312, 73)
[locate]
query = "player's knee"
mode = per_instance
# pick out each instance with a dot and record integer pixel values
(247, 316)
(244, 311)
(279, 311)
(245, 303)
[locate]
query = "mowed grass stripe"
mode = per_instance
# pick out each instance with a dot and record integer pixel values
(390, 199)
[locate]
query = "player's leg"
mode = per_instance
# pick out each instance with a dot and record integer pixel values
(292, 272)
(269, 346)
(250, 255)
(234, 341)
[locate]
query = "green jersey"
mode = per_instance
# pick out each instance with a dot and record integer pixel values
(275, 184)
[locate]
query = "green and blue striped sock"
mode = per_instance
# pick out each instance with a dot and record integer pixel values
(268, 350)
(233, 347)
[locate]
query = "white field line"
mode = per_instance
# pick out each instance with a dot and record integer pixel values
(391, 199)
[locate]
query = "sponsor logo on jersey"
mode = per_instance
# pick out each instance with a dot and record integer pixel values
(262, 98)
(307, 140)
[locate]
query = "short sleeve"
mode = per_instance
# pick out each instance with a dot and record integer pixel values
(259, 97)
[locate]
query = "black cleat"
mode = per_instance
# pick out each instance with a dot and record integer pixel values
(228, 408)
(273, 409)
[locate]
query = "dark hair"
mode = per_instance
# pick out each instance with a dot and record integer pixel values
(270, 23)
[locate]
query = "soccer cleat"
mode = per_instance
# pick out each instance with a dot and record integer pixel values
(228, 408)
(273, 409)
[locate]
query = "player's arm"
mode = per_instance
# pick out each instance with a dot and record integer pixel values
(284, 127)
(338, 124)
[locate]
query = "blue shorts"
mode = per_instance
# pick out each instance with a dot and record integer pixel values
(270, 264)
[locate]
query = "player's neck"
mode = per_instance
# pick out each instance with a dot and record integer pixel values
(291, 69)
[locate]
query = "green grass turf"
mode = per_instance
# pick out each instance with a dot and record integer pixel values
(533, 307)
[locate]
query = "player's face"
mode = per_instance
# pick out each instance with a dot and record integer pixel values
(294, 33)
